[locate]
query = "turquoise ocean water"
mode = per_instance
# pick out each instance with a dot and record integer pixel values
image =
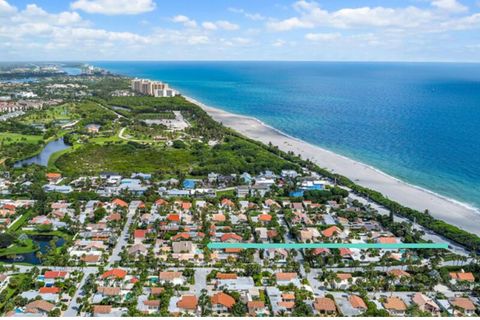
(419, 122)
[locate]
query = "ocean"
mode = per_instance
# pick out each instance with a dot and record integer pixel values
(419, 122)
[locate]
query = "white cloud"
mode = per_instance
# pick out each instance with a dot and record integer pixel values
(220, 24)
(248, 15)
(6, 8)
(209, 25)
(186, 21)
(449, 5)
(279, 43)
(197, 39)
(311, 15)
(114, 7)
(322, 36)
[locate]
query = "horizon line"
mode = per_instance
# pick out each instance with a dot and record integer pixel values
(245, 60)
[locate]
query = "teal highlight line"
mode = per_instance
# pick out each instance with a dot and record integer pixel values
(221, 245)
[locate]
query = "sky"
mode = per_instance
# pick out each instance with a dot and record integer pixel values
(325, 30)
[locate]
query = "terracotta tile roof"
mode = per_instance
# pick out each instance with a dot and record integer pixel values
(119, 203)
(227, 202)
(256, 304)
(109, 291)
(272, 233)
(463, 276)
(102, 309)
(398, 273)
(287, 304)
(233, 250)
(39, 305)
(230, 236)
(53, 175)
(420, 299)
(189, 302)
(387, 240)
(169, 275)
(324, 304)
(395, 303)
(90, 258)
(265, 217)
(285, 276)
(157, 290)
(357, 302)
(173, 217)
(344, 276)
(9, 206)
(218, 217)
(152, 303)
(161, 202)
(345, 252)
(318, 251)
(226, 276)
(140, 233)
(55, 274)
(114, 217)
(49, 290)
(329, 232)
(223, 299)
(182, 235)
(288, 296)
(117, 273)
(463, 303)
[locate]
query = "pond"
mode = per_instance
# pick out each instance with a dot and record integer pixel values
(43, 157)
(31, 257)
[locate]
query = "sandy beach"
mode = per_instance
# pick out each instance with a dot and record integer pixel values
(414, 197)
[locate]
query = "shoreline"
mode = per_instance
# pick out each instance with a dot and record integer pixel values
(463, 215)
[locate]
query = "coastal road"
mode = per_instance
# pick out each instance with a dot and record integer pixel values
(429, 235)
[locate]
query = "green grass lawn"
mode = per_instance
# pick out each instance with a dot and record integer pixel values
(124, 158)
(20, 222)
(7, 138)
(27, 246)
(62, 112)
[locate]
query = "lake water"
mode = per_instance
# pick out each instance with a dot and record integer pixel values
(43, 157)
(31, 257)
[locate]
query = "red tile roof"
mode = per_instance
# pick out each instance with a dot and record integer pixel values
(357, 302)
(329, 232)
(139, 233)
(223, 299)
(387, 240)
(285, 276)
(463, 276)
(120, 203)
(324, 304)
(182, 235)
(116, 273)
(55, 274)
(230, 236)
(265, 217)
(225, 276)
(188, 302)
(173, 217)
(49, 290)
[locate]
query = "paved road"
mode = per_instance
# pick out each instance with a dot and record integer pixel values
(201, 280)
(122, 239)
(74, 305)
(429, 235)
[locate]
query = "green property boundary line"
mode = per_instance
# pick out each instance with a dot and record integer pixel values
(221, 245)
